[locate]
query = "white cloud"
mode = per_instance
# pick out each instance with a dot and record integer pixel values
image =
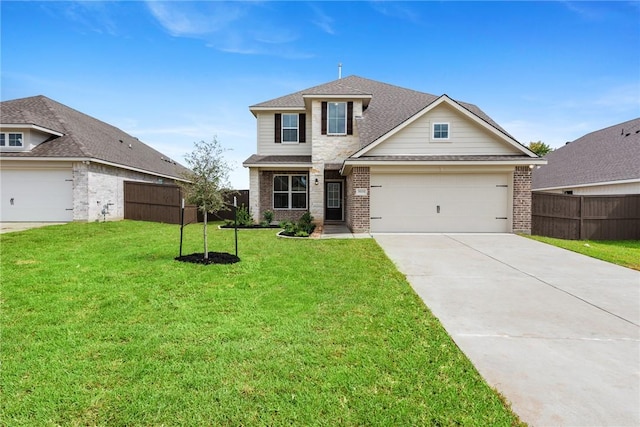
(623, 97)
(232, 27)
(397, 10)
(322, 20)
(88, 16)
(183, 19)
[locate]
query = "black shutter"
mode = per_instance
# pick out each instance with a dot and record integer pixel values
(278, 129)
(302, 127)
(350, 118)
(323, 126)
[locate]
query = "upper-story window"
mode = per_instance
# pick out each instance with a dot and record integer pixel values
(289, 128)
(337, 118)
(11, 139)
(440, 131)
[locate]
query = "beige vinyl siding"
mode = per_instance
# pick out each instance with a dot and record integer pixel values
(465, 138)
(267, 145)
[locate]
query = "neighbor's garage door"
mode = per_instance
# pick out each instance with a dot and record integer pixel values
(36, 195)
(428, 203)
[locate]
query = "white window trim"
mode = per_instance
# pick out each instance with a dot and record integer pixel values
(290, 192)
(6, 140)
(339, 198)
(345, 119)
(282, 129)
(433, 132)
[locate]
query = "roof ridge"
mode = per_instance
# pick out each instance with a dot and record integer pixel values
(49, 104)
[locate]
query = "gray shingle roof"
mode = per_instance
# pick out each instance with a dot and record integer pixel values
(258, 159)
(610, 154)
(83, 137)
(390, 105)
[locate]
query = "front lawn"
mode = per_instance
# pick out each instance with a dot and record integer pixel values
(622, 252)
(100, 326)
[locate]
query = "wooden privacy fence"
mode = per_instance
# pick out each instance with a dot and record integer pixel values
(571, 217)
(145, 201)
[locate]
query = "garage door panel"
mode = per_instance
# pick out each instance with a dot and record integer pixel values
(36, 195)
(439, 203)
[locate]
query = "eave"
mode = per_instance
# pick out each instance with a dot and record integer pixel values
(88, 160)
(30, 126)
(255, 110)
(590, 184)
(351, 162)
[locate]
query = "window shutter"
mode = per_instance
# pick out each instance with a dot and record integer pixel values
(350, 118)
(278, 129)
(323, 126)
(302, 127)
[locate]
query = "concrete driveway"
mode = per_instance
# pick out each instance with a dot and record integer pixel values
(11, 227)
(557, 333)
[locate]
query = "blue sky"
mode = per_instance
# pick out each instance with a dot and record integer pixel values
(172, 73)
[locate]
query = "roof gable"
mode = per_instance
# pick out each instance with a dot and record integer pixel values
(606, 155)
(84, 137)
(389, 106)
(471, 134)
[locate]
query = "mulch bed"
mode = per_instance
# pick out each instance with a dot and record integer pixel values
(242, 227)
(214, 258)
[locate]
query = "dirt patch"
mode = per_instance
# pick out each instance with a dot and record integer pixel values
(214, 258)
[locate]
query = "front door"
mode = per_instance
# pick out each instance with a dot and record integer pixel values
(333, 201)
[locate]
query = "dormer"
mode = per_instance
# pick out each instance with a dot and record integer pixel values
(24, 137)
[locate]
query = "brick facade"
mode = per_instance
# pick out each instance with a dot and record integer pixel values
(266, 197)
(522, 200)
(357, 214)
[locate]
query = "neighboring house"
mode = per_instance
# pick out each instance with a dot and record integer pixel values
(603, 162)
(58, 164)
(382, 158)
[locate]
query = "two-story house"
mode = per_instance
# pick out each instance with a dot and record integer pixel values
(382, 158)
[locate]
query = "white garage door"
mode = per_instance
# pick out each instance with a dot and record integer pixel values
(433, 203)
(36, 195)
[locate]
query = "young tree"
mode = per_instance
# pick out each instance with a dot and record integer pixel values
(208, 180)
(540, 148)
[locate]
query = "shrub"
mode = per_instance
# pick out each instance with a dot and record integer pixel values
(305, 223)
(303, 228)
(268, 216)
(288, 227)
(244, 216)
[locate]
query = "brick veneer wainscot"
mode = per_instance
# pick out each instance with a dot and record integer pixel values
(522, 200)
(358, 215)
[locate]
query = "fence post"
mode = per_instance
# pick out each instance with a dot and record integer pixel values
(181, 223)
(235, 222)
(581, 221)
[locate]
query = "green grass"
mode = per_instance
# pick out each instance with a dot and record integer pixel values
(100, 326)
(622, 252)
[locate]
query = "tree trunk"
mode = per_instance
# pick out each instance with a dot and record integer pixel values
(206, 250)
